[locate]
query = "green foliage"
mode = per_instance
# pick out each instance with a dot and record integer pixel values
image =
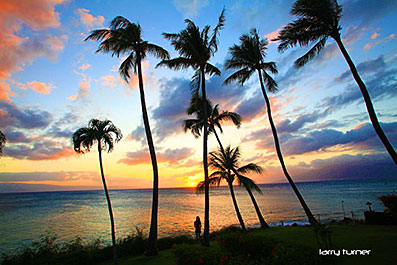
(169, 242)
(287, 254)
(390, 202)
(323, 235)
(136, 243)
(198, 255)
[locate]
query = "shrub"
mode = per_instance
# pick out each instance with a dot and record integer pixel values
(199, 255)
(390, 202)
(169, 242)
(247, 246)
(136, 243)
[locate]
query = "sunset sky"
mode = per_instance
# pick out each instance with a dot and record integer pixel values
(52, 83)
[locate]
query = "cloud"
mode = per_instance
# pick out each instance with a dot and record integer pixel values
(171, 156)
(273, 35)
(251, 107)
(17, 136)
(89, 20)
(5, 92)
(109, 81)
(360, 136)
(25, 118)
(62, 176)
(138, 135)
(374, 35)
(362, 166)
(352, 34)
(39, 87)
(379, 78)
(367, 47)
(40, 150)
(189, 8)
(366, 11)
(84, 67)
(82, 93)
(21, 50)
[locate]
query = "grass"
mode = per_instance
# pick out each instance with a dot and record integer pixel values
(381, 240)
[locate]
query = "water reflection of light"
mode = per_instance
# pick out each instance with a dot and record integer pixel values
(86, 214)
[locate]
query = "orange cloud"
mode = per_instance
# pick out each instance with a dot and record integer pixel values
(108, 80)
(5, 92)
(367, 46)
(391, 36)
(36, 15)
(273, 35)
(89, 20)
(374, 36)
(84, 67)
(39, 87)
(82, 92)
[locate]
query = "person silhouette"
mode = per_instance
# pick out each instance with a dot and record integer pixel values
(197, 226)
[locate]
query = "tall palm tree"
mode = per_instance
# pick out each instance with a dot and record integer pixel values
(248, 57)
(3, 141)
(196, 49)
(125, 38)
(225, 162)
(105, 134)
(214, 119)
(318, 20)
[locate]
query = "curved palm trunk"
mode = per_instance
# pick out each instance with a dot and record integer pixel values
(206, 240)
(152, 241)
(219, 141)
(109, 205)
(258, 211)
(367, 100)
(309, 214)
(240, 219)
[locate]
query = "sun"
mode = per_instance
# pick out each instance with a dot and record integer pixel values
(192, 184)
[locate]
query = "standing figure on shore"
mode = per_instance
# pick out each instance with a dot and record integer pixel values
(197, 226)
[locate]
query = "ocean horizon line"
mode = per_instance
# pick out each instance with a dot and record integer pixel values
(95, 188)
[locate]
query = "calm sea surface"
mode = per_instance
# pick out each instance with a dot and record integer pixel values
(25, 216)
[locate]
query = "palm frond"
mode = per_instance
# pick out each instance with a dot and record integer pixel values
(128, 64)
(251, 167)
(248, 183)
(211, 70)
(270, 82)
(213, 44)
(315, 50)
(177, 63)
(240, 76)
(157, 51)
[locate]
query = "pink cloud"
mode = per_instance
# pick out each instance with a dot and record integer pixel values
(273, 35)
(84, 67)
(82, 92)
(89, 20)
(367, 47)
(5, 92)
(21, 50)
(40, 87)
(108, 80)
(374, 35)
(391, 36)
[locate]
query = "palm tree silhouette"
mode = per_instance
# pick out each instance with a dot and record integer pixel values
(248, 57)
(318, 20)
(196, 48)
(3, 141)
(100, 132)
(122, 38)
(225, 162)
(214, 119)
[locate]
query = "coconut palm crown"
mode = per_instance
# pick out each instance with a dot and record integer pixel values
(317, 21)
(105, 134)
(225, 163)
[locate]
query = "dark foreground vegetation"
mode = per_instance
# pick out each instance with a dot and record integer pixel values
(232, 245)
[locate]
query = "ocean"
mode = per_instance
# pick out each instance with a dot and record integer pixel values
(25, 216)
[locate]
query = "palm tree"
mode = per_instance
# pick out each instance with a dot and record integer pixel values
(196, 48)
(3, 141)
(214, 118)
(318, 20)
(248, 57)
(100, 132)
(124, 38)
(225, 162)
